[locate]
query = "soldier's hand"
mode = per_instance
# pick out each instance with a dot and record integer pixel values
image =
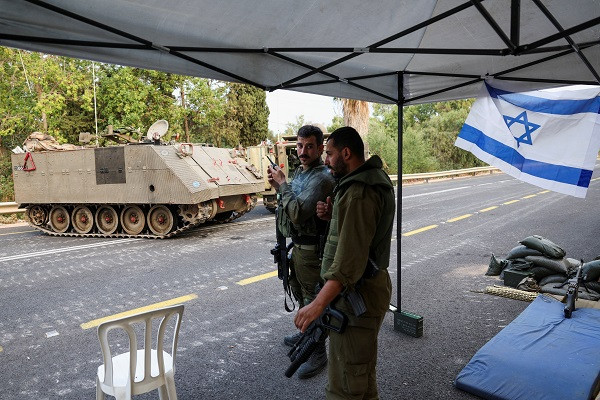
(306, 315)
(324, 209)
(276, 177)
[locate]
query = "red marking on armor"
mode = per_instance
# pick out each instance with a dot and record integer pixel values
(221, 203)
(28, 157)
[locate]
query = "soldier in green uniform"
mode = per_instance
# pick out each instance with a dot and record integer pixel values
(361, 219)
(312, 182)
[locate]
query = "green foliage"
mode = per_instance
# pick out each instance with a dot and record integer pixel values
(291, 128)
(6, 184)
(429, 132)
(384, 145)
(247, 113)
(336, 122)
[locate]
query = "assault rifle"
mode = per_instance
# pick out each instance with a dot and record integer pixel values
(573, 291)
(280, 254)
(313, 335)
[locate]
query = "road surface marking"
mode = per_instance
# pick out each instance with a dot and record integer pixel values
(544, 191)
(1, 349)
(459, 218)
(155, 306)
(257, 278)
(488, 209)
(528, 197)
(426, 228)
(510, 202)
(16, 233)
(437, 192)
(66, 249)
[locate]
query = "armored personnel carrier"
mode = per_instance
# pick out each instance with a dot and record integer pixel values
(283, 153)
(150, 190)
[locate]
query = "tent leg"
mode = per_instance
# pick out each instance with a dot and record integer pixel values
(405, 322)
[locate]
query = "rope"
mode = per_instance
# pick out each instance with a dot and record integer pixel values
(511, 293)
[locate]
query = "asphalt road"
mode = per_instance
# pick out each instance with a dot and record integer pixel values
(53, 289)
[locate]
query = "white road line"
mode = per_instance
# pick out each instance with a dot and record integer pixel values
(439, 191)
(66, 249)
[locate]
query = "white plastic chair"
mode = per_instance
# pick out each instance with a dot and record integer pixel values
(139, 370)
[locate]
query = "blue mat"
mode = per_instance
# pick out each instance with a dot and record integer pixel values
(539, 356)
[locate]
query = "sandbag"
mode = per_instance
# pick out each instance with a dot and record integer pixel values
(556, 265)
(595, 286)
(522, 251)
(592, 270)
(541, 272)
(583, 293)
(496, 266)
(544, 246)
(552, 279)
(549, 288)
(518, 264)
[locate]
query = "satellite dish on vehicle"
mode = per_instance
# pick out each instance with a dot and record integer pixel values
(157, 130)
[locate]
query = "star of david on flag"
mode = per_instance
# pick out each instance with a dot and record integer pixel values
(549, 138)
(529, 127)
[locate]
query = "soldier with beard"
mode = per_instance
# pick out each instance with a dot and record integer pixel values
(312, 182)
(360, 231)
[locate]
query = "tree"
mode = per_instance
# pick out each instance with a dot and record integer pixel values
(247, 105)
(336, 122)
(291, 128)
(356, 115)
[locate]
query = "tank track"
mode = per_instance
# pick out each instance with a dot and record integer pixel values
(184, 228)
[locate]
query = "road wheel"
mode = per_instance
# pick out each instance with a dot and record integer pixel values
(37, 215)
(107, 219)
(59, 219)
(160, 220)
(83, 219)
(133, 220)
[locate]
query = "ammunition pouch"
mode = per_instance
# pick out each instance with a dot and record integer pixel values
(284, 224)
(353, 296)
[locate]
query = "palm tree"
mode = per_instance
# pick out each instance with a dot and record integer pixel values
(356, 115)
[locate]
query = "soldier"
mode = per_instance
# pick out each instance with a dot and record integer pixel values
(361, 219)
(312, 182)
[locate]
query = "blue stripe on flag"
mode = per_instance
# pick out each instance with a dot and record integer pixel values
(552, 172)
(548, 106)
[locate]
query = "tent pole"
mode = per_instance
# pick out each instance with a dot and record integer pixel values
(405, 322)
(399, 195)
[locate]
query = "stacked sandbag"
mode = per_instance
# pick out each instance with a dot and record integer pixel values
(537, 255)
(538, 264)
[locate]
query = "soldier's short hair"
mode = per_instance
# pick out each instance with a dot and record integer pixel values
(348, 137)
(307, 131)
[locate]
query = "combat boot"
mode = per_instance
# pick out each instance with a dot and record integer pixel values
(315, 363)
(291, 340)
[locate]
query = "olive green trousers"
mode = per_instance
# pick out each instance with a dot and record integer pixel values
(352, 360)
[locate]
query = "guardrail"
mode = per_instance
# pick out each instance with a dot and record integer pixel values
(12, 208)
(427, 176)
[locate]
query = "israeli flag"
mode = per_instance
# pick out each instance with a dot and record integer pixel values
(548, 138)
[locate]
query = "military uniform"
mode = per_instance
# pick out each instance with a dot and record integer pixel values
(299, 221)
(360, 227)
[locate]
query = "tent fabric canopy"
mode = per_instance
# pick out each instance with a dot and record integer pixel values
(433, 49)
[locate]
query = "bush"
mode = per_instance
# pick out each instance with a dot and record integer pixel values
(7, 192)
(384, 146)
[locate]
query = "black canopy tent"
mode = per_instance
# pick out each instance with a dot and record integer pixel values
(387, 51)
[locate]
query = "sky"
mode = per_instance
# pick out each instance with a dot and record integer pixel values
(286, 106)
